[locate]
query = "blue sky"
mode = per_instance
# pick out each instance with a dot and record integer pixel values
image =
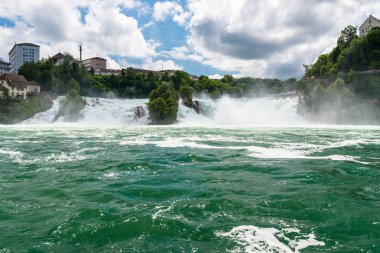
(241, 37)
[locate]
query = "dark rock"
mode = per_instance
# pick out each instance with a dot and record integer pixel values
(196, 105)
(139, 112)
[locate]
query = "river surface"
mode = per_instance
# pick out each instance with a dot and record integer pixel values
(81, 188)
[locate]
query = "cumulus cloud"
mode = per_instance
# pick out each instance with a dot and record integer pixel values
(215, 76)
(160, 64)
(266, 38)
(57, 26)
(246, 37)
(163, 10)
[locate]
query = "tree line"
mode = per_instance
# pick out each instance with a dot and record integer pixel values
(132, 84)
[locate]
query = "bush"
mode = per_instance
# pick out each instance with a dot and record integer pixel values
(186, 94)
(163, 105)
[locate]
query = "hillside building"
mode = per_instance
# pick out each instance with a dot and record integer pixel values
(33, 87)
(17, 86)
(95, 63)
(58, 59)
(14, 85)
(5, 67)
(21, 53)
(368, 24)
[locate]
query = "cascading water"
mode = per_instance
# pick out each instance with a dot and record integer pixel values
(243, 111)
(102, 111)
(223, 111)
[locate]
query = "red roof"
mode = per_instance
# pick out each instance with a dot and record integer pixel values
(58, 56)
(14, 80)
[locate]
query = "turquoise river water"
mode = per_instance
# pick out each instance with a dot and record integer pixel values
(188, 189)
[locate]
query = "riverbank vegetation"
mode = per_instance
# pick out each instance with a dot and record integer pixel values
(16, 110)
(343, 86)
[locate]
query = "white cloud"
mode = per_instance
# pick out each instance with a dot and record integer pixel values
(267, 38)
(56, 26)
(160, 64)
(259, 38)
(215, 76)
(163, 10)
(112, 64)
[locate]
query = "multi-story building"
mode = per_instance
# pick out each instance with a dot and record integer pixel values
(5, 67)
(95, 63)
(368, 24)
(21, 53)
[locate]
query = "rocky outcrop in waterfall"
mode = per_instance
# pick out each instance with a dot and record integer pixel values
(186, 94)
(70, 107)
(139, 112)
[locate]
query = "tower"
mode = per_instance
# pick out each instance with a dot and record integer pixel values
(80, 53)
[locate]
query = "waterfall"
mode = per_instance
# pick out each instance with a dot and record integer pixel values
(270, 111)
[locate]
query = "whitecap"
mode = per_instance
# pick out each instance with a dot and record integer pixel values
(111, 175)
(256, 239)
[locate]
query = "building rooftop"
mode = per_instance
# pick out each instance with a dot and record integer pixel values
(370, 17)
(34, 83)
(24, 44)
(14, 80)
(58, 56)
(99, 58)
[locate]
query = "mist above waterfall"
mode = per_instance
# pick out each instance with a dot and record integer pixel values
(243, 111)
(224, 111)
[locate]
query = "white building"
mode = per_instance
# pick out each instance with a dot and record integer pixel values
(5, 67)
(21, 53)
(368, 24)
(13, 85)
(33, 88)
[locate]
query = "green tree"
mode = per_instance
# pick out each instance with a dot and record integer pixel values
(186, 94)
(73, 85)
(347, 35)
(163, 105)
(30, 70)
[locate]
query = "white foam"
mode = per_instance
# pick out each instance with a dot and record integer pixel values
(290, 152)
(15, 155)
(63, 157)
(255, 239)
(111, 175)
(244, 112)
